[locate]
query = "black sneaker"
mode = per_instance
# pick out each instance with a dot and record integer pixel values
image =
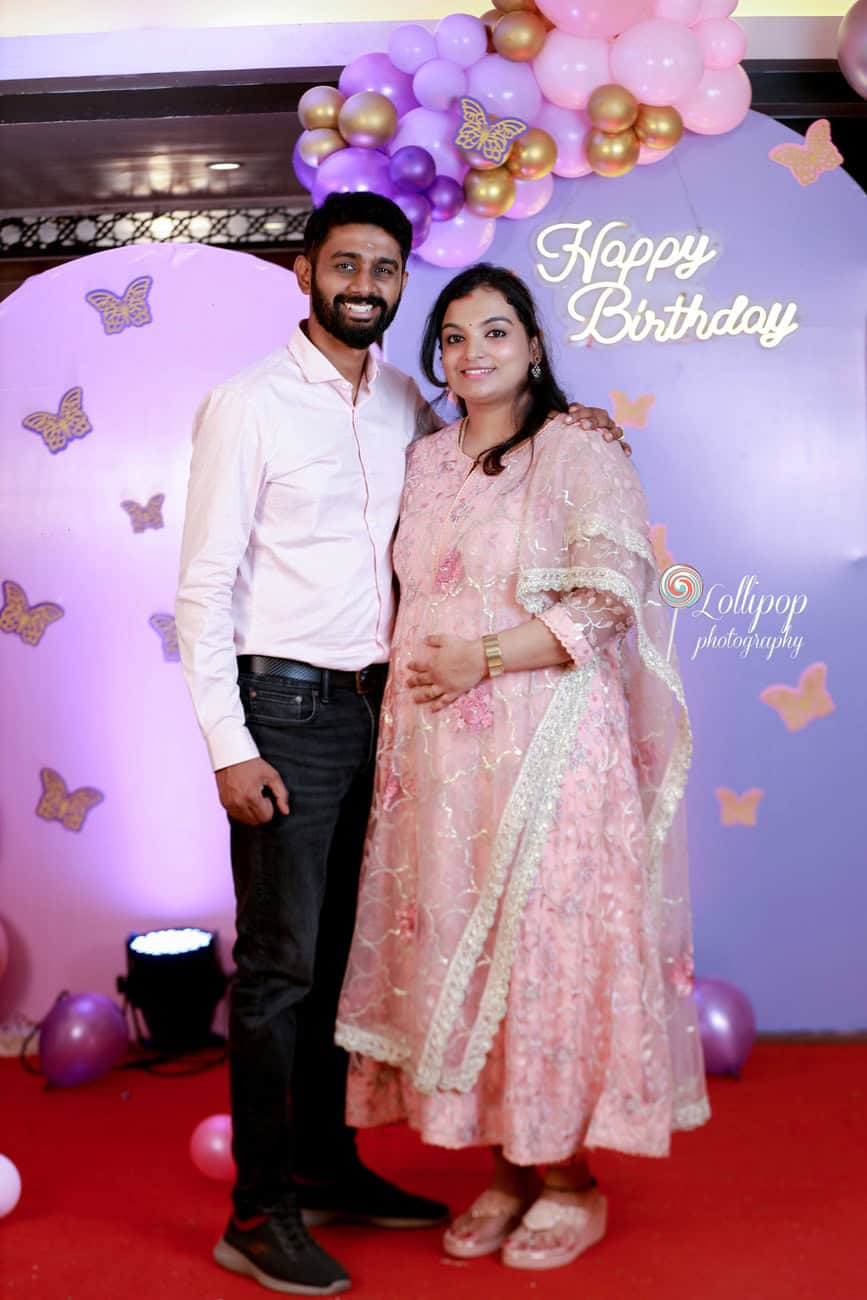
(361, 1196)
(276, 1250)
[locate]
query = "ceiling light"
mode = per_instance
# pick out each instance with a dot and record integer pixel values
(223, 166)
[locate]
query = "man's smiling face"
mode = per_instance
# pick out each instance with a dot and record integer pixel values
(355, 284)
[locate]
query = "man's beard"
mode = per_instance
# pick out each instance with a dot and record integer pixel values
(354, 333)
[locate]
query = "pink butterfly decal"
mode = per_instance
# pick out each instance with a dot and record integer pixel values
(738, 809)
(58, 805)
(58, 430)
(807, 161)
(659, 542)
(804, 703)
(29, 621)
(149, 516)
(130, 309)
(629, 412)
(164, 626)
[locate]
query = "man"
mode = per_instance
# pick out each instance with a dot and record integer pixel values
(284, 615)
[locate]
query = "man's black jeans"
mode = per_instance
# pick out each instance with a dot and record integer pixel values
(296, 884)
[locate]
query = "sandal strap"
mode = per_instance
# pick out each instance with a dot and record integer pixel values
(559, 1209)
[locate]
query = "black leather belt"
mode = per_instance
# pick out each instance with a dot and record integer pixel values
(362, 681)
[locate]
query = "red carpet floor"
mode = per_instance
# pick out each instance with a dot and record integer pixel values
(767, 1202)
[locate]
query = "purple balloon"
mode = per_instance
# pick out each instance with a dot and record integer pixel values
(82, 1037)
(350, 170)
(410, 46)
(436, 133)
(305, 173)
(458, 242)
(461, 39)
(439, 84)
(727, 1025)
(446, 198)
(412, 168)
(504, 88)
(377, 72)
(416, 209)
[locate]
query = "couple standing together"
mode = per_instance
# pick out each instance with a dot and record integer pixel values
(514, 968)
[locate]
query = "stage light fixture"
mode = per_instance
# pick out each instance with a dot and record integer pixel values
(174, 978)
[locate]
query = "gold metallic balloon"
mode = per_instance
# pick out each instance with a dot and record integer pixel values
(489, 194)
(612, 155)
(519, 36)
(490, 18)
(516, 6)
(612, 108)
(315, 146)
(658, 128)
(532, 155)
(320, 107)
(367, 120)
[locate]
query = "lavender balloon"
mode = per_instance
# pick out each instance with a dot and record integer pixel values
(410, 46)
(412, 168)
(504, 88)
(303, 171)
(462, 39)
(439, 84)
(852, 47)
(350, 170)
(377, 72)
(727, 1025)
(82, 1037)
(416, 209)
(446, 198)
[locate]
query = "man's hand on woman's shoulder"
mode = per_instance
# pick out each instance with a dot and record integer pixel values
(593, 417)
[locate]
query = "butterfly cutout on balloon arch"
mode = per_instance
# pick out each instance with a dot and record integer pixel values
(130, 309)
(738, 809)
(57, 429)
(149, 516)
(808, 161)
(164, 626)
(799, 705)
(478, 134)
(57, 804)
(29, 621)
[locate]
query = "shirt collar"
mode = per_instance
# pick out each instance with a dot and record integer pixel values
(317, 369)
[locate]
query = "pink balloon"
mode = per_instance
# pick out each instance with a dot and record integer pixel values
(646, 155)
(461, 39)
(211, 1148)
(458, 242)
(719, 102)
(531, 197)
(377, 72)
(504, 88)
(715, 9)
(436, 133)
(722, 42)
(4, 950)
(594, 17)
(852, 47)
(10, 1186)
(659, 61)
(439, 84)
(679, 11)
(568, 128)
(570, 68)
(410, 46)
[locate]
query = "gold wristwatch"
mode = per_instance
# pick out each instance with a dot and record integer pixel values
(493, 655)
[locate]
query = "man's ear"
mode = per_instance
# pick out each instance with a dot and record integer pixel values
(303, 273)
(403, 282)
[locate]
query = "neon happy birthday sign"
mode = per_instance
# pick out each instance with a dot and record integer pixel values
(609, 309)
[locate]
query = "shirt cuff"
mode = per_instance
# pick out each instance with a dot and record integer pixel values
(230, 742)
(571, 638)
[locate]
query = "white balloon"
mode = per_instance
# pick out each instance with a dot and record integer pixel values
(10, 1186)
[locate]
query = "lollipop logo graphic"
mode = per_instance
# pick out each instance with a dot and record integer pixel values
(680, 586)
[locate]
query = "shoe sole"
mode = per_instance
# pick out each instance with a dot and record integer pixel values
(236, 1262)
(321, 1218)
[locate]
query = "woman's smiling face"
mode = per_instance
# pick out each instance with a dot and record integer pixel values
(485, 350)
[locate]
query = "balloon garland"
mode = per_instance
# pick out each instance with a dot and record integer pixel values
(470, 122)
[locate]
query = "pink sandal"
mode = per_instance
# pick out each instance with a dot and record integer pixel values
(485, 1225)
(557, 1228)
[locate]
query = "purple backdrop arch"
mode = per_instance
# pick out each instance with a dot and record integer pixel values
(753, 459)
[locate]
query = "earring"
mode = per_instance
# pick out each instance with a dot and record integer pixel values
(535, 372)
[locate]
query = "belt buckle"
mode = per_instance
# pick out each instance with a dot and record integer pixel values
(360, 687)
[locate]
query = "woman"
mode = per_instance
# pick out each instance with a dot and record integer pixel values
(520, 975)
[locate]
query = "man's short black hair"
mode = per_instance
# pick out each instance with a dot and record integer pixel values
(360, 209)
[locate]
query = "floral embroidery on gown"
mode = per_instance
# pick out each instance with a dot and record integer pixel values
(521, 969)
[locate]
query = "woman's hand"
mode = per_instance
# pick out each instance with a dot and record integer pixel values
(445, 668)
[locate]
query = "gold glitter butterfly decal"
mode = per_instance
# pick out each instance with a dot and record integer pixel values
(29, 621)
(149, 516)
(629, 412)
(164, 625)
(803, 703)
(130, 309)
(738, 809)
(58, 805)
(478, 133)
(807, 161)
(58, 430)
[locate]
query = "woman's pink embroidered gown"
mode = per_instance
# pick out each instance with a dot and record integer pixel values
(521, 971)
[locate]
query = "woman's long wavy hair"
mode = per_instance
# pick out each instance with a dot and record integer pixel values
(545, 394)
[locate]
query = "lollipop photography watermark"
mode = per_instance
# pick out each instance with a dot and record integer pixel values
(681, 587)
